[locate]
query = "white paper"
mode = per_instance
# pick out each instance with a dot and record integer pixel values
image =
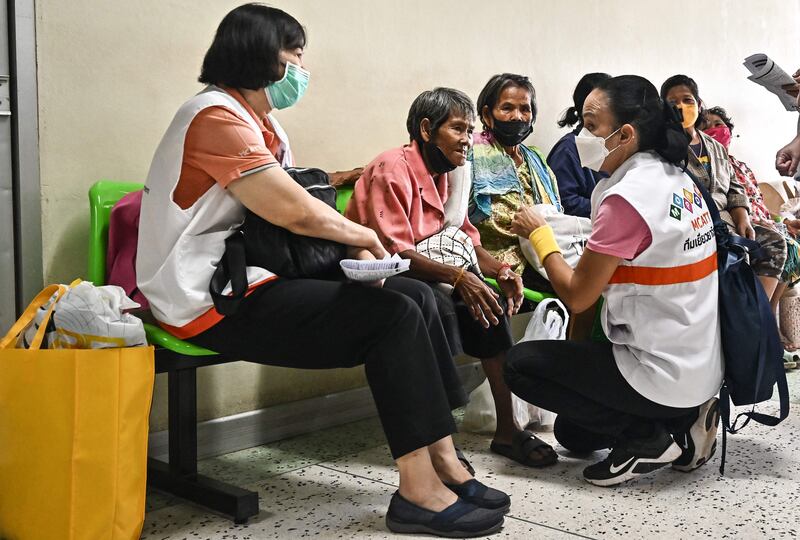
(770, 75)
(366, 271)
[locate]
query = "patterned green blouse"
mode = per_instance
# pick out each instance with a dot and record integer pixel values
(496, 235)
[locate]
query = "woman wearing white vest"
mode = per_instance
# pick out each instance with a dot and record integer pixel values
(218, 158)
(649, 393)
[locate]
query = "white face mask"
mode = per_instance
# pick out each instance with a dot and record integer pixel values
(592, 149)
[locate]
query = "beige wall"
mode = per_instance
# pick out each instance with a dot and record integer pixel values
(112, 73)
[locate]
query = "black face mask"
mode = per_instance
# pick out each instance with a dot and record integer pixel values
(512, 132)
(435, 158)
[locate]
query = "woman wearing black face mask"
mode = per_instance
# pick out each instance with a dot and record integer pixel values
(404, 195)
(506, 174)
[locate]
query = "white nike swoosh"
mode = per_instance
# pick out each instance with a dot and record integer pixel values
(613, 469)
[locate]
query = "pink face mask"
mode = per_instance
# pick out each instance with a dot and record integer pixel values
(721, 134)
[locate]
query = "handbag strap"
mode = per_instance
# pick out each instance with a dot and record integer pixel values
(723, 235)
(232, 267)
(28, 316)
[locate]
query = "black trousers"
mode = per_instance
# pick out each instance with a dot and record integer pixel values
(466, 335)
(580, 381)
(315, 324)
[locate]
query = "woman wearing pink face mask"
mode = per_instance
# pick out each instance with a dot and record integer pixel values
(717, 124)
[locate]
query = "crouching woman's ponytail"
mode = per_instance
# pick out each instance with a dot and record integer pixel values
(634, 100)
(673, 144)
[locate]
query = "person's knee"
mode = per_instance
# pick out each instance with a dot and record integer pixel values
(528, 363)
(422, 295)
(578, 440)
(512, 371)
(401, 310)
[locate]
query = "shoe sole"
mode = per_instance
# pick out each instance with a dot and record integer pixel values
(417, 528)
(706, 433)
(639, 467)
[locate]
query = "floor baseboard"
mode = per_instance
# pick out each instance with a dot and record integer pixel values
(262, 426)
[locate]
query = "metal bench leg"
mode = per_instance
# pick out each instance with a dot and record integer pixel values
(179, 476)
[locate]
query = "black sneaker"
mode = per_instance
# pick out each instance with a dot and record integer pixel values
(700, 442)
(633, 458)
(482, 495)
(459, 520)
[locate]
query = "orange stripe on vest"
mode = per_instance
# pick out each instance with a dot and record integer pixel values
(647, 275)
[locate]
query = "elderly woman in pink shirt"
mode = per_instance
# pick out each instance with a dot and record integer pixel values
(402, 196)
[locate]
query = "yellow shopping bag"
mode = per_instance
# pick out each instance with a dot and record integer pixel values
(73, 437)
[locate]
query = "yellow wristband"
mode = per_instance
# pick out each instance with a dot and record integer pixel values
(544, 242)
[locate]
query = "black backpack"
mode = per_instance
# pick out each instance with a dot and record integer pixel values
(260, 243)
(751, 344)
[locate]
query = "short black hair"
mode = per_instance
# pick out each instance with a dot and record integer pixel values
(680, 80)
(723, 115)
(574, 115)
(244, 53)
(634, 100)
(492, 90)
(688, 82)
(437, 105)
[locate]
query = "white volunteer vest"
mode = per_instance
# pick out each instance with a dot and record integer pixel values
(178, 250)
(661, 308)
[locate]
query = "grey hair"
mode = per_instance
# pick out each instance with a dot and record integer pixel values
(437, 105)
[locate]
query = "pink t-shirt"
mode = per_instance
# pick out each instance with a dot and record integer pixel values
(398, 198)
(619, 230)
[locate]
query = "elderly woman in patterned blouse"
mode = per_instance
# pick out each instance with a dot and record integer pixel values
(507, 174)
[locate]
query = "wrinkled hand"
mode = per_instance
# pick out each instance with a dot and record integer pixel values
(788, 157)
(480, 299)
(345, 178)
(792, 89)
(511, 285)
(745, 229)
(793, 225)
(526, 220)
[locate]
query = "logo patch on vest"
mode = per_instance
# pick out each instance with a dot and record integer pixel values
(675, 212)
(688, 205)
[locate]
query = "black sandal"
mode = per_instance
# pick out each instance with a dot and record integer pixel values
(467, 465)
(523, 443)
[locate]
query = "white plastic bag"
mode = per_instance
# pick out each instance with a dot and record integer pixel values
(89, 317)
(549, 321)
(571, 232)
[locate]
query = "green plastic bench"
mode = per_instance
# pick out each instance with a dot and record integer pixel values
(103, 196)
(179, 360)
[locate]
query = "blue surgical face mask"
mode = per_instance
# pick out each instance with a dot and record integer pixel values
(288, 91)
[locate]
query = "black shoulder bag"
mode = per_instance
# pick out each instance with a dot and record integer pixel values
(260, 243)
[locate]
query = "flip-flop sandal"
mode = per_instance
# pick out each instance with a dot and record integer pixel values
(789, 360)
(464, 461)
(523, 443)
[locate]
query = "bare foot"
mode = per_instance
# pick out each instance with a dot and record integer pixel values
(538, 454)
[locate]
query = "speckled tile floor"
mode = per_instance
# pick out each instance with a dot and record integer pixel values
(336, 484)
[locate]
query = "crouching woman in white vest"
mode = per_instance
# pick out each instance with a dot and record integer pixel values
(648, 394)
(218, 158)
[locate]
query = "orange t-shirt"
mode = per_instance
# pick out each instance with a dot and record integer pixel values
(221, 147)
